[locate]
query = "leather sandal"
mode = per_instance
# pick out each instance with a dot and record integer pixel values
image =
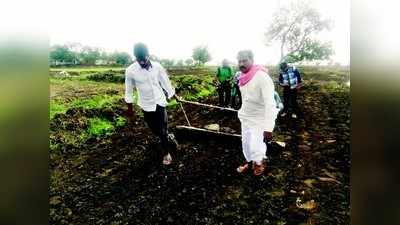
(243, 168)
(167, 159)
(258, 169)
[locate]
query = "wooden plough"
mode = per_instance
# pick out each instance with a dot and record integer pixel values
(196, 129)
(274, 145)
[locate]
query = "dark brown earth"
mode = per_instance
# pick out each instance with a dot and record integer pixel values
(116, 179)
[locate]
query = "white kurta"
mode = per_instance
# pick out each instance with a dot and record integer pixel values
(149, 84)
(257, 114)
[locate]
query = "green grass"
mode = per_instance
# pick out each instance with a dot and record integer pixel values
(205, 93)
(82, 72)
(86, 69)
(57, 108)
(120, 121)
(96, 102)
(194, 87)
(172, 104)
(100, 127)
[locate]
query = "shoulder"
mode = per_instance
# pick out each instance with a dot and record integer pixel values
(263, 76)
(157, 65)
(132, 68)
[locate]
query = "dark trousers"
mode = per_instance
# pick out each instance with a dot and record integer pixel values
(157, 121)
(236, 97)
(290, 99)
(224, 93)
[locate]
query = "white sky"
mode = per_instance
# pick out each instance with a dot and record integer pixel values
(171, 29)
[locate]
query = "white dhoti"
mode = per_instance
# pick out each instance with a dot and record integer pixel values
(253, 145)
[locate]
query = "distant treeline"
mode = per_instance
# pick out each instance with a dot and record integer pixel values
(76, 54)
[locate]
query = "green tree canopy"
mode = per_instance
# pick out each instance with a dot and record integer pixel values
(62, 53)
(121, 58)
(89, 55)
(294, 28)
(189, 62)
(201, 55)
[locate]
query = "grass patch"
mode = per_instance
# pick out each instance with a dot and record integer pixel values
(172, 104)
(98, 101)
(120, 121)
(109, 76)
(89, 69)
(193, 87)
(100, 127)
(57, 108)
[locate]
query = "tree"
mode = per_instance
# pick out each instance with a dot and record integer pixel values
(201, 55)
(294, 27)
(179, 63)
(167, 63)
(62, 53)
(312, 50)
(122, 58)
(74, 46)
(189, 62)
(89, 55)
(105, 56)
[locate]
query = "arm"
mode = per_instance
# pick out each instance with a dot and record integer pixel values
(280, 79)
(230, 74)
(297, 73)
(217, 74)
(129, 85)
(165, 82)
(267, 93)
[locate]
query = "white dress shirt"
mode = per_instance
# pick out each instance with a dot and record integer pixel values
(149, 84)
(258, 103)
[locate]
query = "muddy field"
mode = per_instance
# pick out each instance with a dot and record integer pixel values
(117, 179)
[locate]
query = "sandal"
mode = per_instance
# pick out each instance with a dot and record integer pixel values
(243, 168)
(258, 169)
(167, 159)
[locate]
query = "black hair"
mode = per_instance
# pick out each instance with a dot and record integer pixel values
(140, 51)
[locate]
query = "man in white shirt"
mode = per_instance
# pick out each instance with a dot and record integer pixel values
(152, 84)
(258, 112)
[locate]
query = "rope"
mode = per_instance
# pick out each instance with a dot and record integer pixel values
(187, 120)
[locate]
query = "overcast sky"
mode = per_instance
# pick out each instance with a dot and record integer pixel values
(171, 29)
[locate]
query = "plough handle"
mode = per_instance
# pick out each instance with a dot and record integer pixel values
(207, 105)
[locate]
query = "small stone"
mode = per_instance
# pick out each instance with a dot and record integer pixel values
(310, 205)
(213, 127)
(55, 200)
(280, 143)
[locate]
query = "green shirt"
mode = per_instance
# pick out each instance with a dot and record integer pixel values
(224, 73)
